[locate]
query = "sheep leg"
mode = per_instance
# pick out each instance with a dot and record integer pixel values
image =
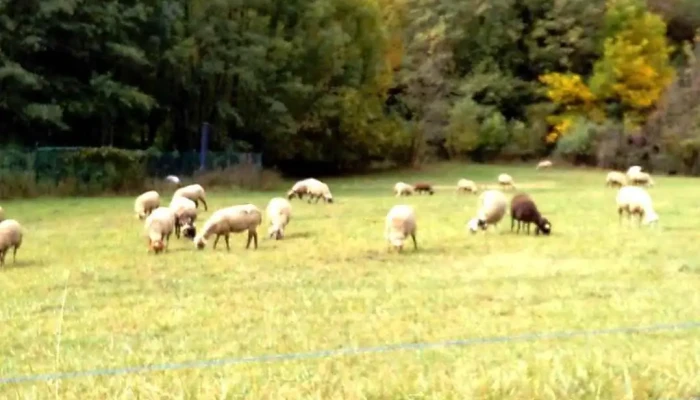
(2, 258)
(226, 239)
(177, 229)
(252, 235)
(14, 254)
(216, 241)
(205, 204)
(317, 199)
(519, 226)
(512, 223)
(196, 203)
(415, 244)
(528, 227)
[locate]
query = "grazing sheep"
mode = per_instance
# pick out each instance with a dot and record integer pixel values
(193, 192)
(465, 185)
(544, 164)
(506, 180)
(234, 219)
(403, 189)
(640, 178)
(636, 200)
(2, 214)
(524, 210)
(492, 208)
(173, 179)
(318, 190)
(299, 189)
(10, 238)
(185, 215)
(146, 203)
(400, 223)
(279, 212)
(615, 179)
(158, 228)
(421, 187)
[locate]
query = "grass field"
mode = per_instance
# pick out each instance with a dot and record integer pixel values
(85, 294)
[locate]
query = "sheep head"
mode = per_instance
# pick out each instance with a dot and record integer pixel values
(544, 226)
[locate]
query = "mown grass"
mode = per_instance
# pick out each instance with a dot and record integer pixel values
(85, 294)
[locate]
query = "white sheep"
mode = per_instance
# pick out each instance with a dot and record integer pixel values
(636, 200)
(146, 203)
(400, 223)
(616, 179)
(185, 215)
(10, 238)
(640, 178)
(403, 189)
(234, 219)
(279, 213)
(506, 180)
(465, 185)
(173, 179)
(633, 170)
(544, 164)
(299, 188)
(492, 208)
(318, 190)
(158, 228)
(193, 192)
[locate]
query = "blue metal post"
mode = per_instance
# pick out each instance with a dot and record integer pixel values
(203, 146)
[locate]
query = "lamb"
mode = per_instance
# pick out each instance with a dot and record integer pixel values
(506, 180)
(279, 212)
(158, 228)
(492, 208)
(615, 179)
(10, 238)
(185, 215)
(465, 185)
(318, 190)
(640, 178)
(636, 200)
(544, 164)
(193, 192)
(146, 203)
(403, 189)
(524, 210)
(421, 187)
(234, 219)
(400, 223)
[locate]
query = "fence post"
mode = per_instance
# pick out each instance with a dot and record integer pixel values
(203, 146)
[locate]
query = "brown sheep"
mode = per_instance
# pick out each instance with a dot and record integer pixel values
(524, 210)
(421, 187)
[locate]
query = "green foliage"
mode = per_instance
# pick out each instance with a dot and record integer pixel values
(579, 143)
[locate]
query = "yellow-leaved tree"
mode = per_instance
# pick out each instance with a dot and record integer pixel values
(629, 78)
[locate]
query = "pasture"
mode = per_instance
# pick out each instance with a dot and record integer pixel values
(85, 294)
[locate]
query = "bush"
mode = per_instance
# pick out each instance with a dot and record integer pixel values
(578, 145)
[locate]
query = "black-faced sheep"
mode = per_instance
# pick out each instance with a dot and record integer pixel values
(524, 211)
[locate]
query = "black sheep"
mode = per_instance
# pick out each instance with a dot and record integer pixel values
(524, 210)
(421, 187)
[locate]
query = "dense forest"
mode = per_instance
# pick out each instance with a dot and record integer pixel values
(344, 83)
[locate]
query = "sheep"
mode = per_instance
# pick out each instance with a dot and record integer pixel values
(318, 190)
(544, 164)
(633, 170)
(615, 179)
(158, 228)
(233, 219)
(465, 185)
(299, 189)
(173, 179)
(279, 212)
(193, 192)
(636, 200)
(10, 237)
(403, 189)
(2, 214)
(185, 215)
(400, 223)
(640, 178)
(524, 210)
(421, 187)
(492, 208)
(146, 203)
(506, 180)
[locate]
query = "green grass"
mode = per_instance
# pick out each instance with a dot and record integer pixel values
(332, 284)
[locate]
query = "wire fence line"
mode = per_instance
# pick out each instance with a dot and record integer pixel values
(347, 351)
